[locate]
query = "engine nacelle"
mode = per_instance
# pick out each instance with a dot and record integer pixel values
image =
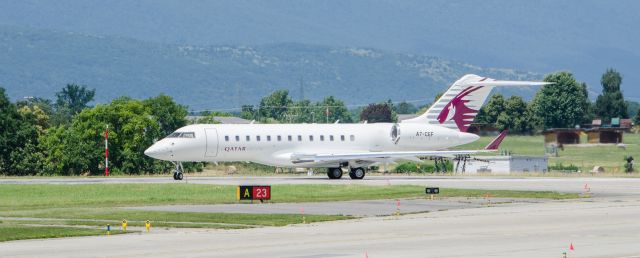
(424, 136)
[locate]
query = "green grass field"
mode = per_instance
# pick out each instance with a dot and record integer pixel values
(37, 211)
(585, 157)
(17, 231)
(34, 196)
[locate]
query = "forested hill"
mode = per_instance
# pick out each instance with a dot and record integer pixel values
(39, 62)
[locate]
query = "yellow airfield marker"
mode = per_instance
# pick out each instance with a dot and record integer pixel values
(124, 225)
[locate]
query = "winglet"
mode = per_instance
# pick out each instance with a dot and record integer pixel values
(493, 145)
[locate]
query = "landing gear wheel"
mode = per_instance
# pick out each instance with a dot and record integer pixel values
(357, 173)
(334, 173)
(177, 173)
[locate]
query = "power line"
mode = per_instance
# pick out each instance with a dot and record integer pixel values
(303, 107)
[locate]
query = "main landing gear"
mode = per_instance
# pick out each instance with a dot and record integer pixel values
(334, 173)
(354, 173)
(177, 173)
(357, 173)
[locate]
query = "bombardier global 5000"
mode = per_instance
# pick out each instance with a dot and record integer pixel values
(336, 146)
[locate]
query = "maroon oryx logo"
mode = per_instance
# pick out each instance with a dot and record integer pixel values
(462, 115)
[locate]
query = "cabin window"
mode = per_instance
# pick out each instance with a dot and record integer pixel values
(248, 138)
(226, 138)
(352, 137)
(289, 137)
(342, 138)
(330, 137)
(258, 138)
(279, 138)
(237, 138)
(310, 138)
(299, 138)
(321, 138)
(188, 135)
(268, 138)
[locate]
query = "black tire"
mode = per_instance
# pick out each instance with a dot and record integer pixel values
(334, 173)
(175, 175)
(357, 173)
(179, 176)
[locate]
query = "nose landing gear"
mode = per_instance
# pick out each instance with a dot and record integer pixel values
(177, 173)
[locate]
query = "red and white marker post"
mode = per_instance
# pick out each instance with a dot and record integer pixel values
(106, 151)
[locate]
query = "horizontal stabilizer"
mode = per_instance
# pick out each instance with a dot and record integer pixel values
(493, 145)
(505, 83)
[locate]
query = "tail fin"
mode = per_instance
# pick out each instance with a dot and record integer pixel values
(493, 145)
(459, 105)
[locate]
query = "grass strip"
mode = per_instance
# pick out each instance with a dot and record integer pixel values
(101, 216)
(17, 231)
(40, 196)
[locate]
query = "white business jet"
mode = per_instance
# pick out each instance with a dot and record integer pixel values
(337, 146)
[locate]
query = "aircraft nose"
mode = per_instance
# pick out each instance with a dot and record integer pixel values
(153, 151)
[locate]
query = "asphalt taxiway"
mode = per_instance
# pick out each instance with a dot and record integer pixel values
(606, 225)
(360, 208)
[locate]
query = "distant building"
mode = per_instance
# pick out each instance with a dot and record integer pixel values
(560, 136)
(605, 135)
(502, 165)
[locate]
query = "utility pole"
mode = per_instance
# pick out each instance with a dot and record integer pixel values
(326, 113)
(106, 151)
(301, 89)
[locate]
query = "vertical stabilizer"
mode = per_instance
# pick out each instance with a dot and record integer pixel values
(459, 105)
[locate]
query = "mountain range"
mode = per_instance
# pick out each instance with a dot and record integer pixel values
(39, 62)
(582, 36)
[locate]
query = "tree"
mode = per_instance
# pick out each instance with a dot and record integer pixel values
(248, 112)
(405, 108)
(74, 97)
(76, 149)
(209, 117)
(17, 132)
(636, 119)
(517, 116)
(489, 113)
(611, 103)
(302, 111)
(275, 105)
(41, 103)
(169, 114)
(70, 101)
(632, 108)
(332, 109)
(37, 116)
(563, 104)
(377, 113)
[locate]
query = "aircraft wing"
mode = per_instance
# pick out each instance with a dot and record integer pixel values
(372, 156)
(376, 156)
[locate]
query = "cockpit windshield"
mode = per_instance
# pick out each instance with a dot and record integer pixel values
(182, 135)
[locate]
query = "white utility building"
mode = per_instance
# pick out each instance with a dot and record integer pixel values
(502, 165)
